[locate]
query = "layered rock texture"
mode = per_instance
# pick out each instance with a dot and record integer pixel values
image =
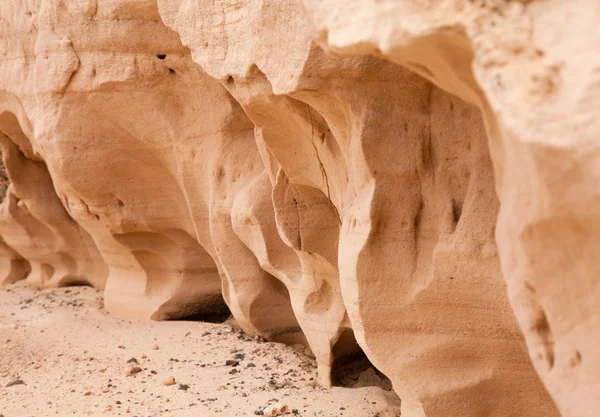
(414, 179)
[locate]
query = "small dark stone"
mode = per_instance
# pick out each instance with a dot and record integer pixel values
(132, 360)
(295, 411)
(250, 365)
(233, 371)
(239, 356)
(259, 413)
(231, 362)
(184, 387)
(119, 402)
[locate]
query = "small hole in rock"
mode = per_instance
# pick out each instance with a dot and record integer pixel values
(161, 56)
(171, 70)
(230, 80)
(456, 211)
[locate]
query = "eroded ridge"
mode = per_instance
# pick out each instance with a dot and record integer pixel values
(394, 178)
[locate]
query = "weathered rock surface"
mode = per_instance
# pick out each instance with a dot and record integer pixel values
(389, 176)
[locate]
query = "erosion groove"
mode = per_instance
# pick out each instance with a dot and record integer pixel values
(418, 183)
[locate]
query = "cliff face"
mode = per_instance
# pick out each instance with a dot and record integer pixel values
(389, 176)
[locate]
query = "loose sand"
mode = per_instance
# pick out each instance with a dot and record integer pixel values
(73, 360)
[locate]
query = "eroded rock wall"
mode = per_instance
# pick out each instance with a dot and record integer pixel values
(534, 78)
(388, 176)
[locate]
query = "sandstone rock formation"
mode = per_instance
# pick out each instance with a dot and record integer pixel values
(389, 176)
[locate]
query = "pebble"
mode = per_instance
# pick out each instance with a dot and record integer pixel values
(132, 370)
(275, 409)
(169, 381)
(15, 382)
(155, 347)
(231, 362)
(269, 411)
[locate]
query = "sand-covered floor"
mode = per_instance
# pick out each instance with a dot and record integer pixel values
(72, 358)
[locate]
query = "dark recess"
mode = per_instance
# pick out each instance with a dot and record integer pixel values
(350, 362)
(217, 312)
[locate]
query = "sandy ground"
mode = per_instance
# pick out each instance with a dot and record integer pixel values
(73, 360)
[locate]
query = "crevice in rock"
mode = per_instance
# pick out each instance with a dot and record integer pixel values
(74, 283)
(321, 166)
(352, 369)
(4, 180)
(456, 212)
